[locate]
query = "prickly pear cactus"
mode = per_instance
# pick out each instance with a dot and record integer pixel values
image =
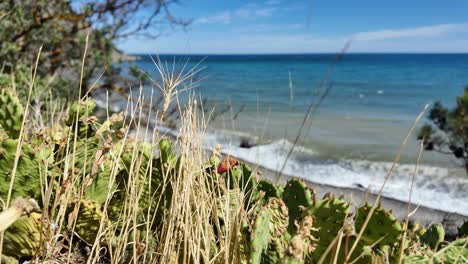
(296, 196)
(455, 252)
(267, 242)
(463, 230)
(166, 151)
(88, 220)
(11, 113)
(23, 238)
(382, 227)
(81, 110)
(330, 215)
(138, 160)
(279, 216)
(268, 190)
(232, 200)
(260, 237)
(303, 243)
(433, 236)
(241, 176)
(27, 177)
(416, 259)
(278, 225)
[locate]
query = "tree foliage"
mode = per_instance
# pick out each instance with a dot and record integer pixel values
(447, 130)
(61, 27)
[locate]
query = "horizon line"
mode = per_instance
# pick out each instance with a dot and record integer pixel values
(301, 53)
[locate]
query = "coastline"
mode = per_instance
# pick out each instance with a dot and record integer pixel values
(119, 56)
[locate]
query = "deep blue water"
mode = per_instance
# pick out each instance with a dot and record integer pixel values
(384, 84)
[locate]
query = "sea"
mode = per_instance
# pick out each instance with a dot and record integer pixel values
(361, 107)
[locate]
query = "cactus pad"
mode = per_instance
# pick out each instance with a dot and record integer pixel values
(27, 180)
(268, 189)
(303, 242)
(260, 236)
(87, 221)
(269, 226)
(296, 196)
(456, 252)
(330, 215)
(23, 238)
(433, 236)
(463, 230)
(382, 226)
(11, 113)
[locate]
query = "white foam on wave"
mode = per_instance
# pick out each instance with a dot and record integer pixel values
(433, 188)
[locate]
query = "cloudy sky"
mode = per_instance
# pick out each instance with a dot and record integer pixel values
(312, 26)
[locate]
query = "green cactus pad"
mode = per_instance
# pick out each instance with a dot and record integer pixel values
(269, 190)
(279, 216)
(23, 238)
(80, 118)
(275, 251)
(232, 200)
(260, 237)
(152, 175)
(267, 244)
(330, 214)
(88, 220)
(11, 113)
(382, 226)
(296, 196)
(81, 109)
(455, 252)
(433, 236)
(416, 259)
(27, 179)
(166, 152)
(463, 230)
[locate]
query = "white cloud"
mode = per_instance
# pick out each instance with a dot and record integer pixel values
(427, 31)
(250, 11)
(223, 18)
(288, 38)
(265, 12)
(254, 12)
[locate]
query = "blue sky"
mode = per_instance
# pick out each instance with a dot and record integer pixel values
(312, 26)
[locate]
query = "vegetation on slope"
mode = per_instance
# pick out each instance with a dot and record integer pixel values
(447, 130)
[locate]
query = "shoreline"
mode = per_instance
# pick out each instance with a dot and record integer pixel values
(423, 215)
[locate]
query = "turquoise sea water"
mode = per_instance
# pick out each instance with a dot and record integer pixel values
(357, 130)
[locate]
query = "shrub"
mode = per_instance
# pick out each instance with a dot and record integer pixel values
(447, 130)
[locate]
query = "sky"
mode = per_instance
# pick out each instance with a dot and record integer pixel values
(311, 26)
